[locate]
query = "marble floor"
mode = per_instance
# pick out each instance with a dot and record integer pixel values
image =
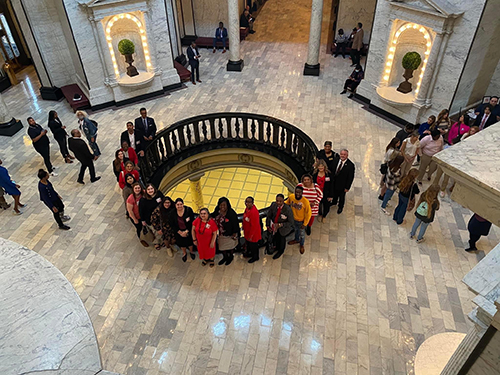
(360, 300)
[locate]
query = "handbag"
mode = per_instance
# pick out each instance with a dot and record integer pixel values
(411, 205)
(384, 168)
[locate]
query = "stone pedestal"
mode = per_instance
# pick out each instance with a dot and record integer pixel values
(311, 67)
(8, 124)
(235, 63)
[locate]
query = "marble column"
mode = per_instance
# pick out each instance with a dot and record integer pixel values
(196, 192)
(235, 63)
(430, 68)
(312, 65)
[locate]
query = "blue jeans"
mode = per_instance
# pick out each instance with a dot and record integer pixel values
(94, 146)
(300, 233)
(387, 197)
(400, 211)
(423, 228)
(223, 39)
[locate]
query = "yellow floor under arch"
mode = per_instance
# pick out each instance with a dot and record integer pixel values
(235, 184)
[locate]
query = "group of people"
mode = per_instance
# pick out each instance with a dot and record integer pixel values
(354, 41)
(411, 148)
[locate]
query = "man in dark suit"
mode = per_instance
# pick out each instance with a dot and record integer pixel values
(279, 223)
(344, 176)
(81, 150)
(220, 35)
(194, 62)
(486, 119)
(495, 108)
(134, 138)
(147, 126)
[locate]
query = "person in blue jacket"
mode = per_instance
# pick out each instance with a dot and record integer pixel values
(11, 188)
(89, 128)
(52, 200)
(220, 35)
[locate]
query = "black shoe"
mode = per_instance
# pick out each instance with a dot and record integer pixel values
(351, 96)
(223, 260)
(353, 64)
(229, 259)
(343, 92)
(470, 249)
(192, 255)
(252, 31)
(184, 258)
(308, 230)
(339, 211)
(247, 255)
(380, 197)
(278, 254)
(64, 227)
(252, 260)
(96, 179)
(80, 182)
(335, 55)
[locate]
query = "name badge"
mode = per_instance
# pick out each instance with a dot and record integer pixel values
(187, 219)
(158, 200)
(283, 217)
(247, 219)
(207, 226)
(327, 178)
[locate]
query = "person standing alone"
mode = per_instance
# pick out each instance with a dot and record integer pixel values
(344, 176)
(52, 200)
(357, 44)
(220, 35)
(194, 62)
(59, 132)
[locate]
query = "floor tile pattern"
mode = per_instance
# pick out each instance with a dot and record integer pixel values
(360, 300)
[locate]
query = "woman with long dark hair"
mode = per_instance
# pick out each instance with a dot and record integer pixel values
(323, 178)
(60, 135)
(133, 210)
(390, 151)
(204, 232)
(181, 221)
(393, 178)
(229, 229)
(150, 200)
(119, 164)
(314, 195)
(408, 188)
(160, 220)
(427, 206)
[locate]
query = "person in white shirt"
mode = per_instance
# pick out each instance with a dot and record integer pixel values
(409, 150)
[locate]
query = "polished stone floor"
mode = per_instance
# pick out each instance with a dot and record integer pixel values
(360, 300)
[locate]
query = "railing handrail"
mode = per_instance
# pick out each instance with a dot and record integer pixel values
(226, 127)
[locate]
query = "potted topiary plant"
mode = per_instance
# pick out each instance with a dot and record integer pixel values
(411, 61)
(127, 49)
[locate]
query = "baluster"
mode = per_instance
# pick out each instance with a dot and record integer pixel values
(221, 129)
(174, 142)
(188, 134)
(282, 138)
(168, 146)
(295, 144)
(245, 127)
(196, 127)
(300, 150)
(289, 140)
(213, 137)
(276, 132)
(230, 127)
(181, 133)
(268, 133)
(205, 131)
(237, 128)
(261, 130)
(252, 129)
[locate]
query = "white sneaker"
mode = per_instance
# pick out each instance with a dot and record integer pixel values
(412, 237)
(421, 240)
(54, 174)
(442, 194)
(386, 212)
(169, 252)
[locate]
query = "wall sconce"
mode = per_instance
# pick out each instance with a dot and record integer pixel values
(392, 49)
(109, 39)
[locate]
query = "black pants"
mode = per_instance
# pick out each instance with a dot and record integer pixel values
(91, 168)
(62, 140)
(44, 150)
(324, 207)
(138, 228)
(57, 215)
(340, 46)
(253, 249)
(279, 242)
(193, 70)
(473, 238)
(355, 56)
(350, 85)
(339, 195)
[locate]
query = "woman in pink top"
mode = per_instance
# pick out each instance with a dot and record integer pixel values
(429, 146)
(458, 129)
(313, 193)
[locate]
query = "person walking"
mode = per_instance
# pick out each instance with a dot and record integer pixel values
(181, 222)
(427, 206)
(314, 195)
(133, 210)
(344, 176)
(301, 215)
(409, 150)
(89, 128)
(429, 146)
(392, 180)
(150, 200)
(477, 227)
(160, 220)
(252, 229)
(52, 199)
(194, 62)
(41, 143)
(229, 229)
(204, 232)
(78, 146)
(60, 135)
(324, 179)
(10, 188)
(279, 224)
(408, 188)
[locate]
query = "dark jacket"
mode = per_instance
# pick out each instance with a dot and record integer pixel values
(244, 21)
(479, 226)
(328, 188)
(218, 33)
(427, 219)
(47, 194)
(492, 119)
(410, 194)
(139, 140)
(329, 160)
(230, 225)
(55, 126)
(81, 150)
(344, 179)
(188, 219)
(88, 128)
(33, 132)
(285, 218)
(147, 206)
(149, 131)
(191, 56)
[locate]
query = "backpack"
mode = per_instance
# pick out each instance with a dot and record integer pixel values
(94, 122)
(423, 209)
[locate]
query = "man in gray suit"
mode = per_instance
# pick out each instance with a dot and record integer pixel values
(279, 223)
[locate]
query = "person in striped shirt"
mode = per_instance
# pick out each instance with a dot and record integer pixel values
(314, 194)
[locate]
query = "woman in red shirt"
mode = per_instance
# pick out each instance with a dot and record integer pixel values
(252, 229)
(323, 178)
(130, 153)
(314, 195)
(204, 234)
(129, 168)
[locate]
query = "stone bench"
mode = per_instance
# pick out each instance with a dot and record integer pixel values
(183, 73)
(364, 51)
(69, 92)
